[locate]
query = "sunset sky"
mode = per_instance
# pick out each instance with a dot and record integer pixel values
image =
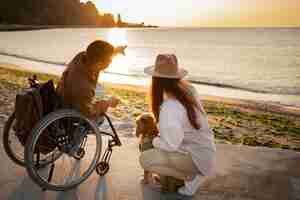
(206, 12)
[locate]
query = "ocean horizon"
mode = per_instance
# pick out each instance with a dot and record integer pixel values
(244, 63)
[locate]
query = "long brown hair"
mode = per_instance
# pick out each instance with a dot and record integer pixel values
(180, 90)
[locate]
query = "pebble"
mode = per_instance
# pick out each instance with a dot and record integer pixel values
(126, 125)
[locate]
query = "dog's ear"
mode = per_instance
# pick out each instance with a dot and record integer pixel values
(138, 118)
(155, 129)
(151, 127)
(139, 126)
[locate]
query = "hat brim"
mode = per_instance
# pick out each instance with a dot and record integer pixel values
(151, 71)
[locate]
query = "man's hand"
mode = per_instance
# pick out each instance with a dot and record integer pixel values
(101, 106)
(120, 50)
(113, 102)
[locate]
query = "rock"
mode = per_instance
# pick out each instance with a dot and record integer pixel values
(126, 125)
(295, 183)
(3, 116)
(126, 134)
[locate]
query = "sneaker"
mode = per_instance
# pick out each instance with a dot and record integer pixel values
(191, 187)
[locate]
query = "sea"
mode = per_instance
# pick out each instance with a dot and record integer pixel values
(260, 64)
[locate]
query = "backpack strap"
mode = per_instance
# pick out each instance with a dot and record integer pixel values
(37, 99)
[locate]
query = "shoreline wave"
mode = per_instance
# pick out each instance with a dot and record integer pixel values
(192, 80)
(32, 58)
(219, 85)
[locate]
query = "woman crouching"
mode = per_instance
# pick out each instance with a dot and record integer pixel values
(185, 148)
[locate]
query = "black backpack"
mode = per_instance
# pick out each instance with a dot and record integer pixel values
(30, 107)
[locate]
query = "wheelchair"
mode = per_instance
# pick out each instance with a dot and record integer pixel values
(76, 149)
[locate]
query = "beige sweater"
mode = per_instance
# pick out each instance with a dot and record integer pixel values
(77, 85)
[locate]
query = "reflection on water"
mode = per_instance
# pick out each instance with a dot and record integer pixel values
(120, 63)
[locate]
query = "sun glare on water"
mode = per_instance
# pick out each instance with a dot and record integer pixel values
(120, 63)
(117, 36)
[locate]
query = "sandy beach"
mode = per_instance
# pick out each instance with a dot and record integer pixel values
(243, 59)
(233, 121)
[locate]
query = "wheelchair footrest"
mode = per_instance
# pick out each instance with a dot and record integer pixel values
(103, 166)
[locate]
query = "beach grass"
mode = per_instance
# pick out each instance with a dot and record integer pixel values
(230, 123)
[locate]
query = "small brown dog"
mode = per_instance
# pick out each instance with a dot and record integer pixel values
(146, 131)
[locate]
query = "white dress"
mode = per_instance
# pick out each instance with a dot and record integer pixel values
(178, 135)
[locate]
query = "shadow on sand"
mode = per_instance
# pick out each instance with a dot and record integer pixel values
(27, 189)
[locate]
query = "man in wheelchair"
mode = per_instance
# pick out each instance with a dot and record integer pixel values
(57, 129)
(78, 82)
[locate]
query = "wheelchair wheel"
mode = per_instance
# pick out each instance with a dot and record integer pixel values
(79, 141)
(15, 150)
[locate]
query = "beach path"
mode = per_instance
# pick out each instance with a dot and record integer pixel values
(244, 173)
